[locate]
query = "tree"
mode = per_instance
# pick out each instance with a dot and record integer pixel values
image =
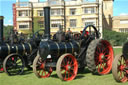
(7, 30)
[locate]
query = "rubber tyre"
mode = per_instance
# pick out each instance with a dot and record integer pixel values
(90, 56)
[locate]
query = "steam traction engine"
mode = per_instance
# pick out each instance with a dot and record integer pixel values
(14, 57)
(68, 52)
(120, 65)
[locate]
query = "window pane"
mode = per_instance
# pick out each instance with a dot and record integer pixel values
(23, 13)
(73, 23)
(89, 23)
(41, 24)
(56, 11)
(89, 10)
(40, 13)
(56, 23)
(72, 11)
(23, 26)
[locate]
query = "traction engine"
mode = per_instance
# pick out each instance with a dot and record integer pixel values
(15, 57)
(67, 52)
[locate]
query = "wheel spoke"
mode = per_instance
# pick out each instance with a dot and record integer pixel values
(102, 66)
(121, 74)
(99, 66)
(104, 51)
(124, 79)
(99, 50)
(63, 62)
(45, 72)
(70, 73)
(71, 62)
(65, 74)
(108, 57)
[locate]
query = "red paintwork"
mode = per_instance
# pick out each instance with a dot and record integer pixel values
(104, 57)
(42, 72)
(69, 68)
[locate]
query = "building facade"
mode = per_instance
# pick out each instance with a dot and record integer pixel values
(120, 24)
(29, 16)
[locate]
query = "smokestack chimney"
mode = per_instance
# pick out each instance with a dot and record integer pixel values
(1, 29)
(47, 21)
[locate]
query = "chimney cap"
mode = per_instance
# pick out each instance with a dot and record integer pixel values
(1, 17)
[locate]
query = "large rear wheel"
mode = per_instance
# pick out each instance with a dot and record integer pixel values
(67, 67)
(120, 69)
(99, 56)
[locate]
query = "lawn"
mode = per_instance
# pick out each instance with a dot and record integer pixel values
(85, 78)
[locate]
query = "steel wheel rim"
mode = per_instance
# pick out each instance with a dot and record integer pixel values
(122, 73)
(104, 57)
(14, 65)
(68, 68)
(41, 71)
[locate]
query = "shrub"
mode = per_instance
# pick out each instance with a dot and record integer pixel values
(115, 38)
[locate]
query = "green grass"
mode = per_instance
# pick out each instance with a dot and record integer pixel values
(117, 51)
(85, 78)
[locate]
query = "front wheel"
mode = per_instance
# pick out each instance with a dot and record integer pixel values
(14, 64)
(67, 67)
(39, 68)
(120, 69)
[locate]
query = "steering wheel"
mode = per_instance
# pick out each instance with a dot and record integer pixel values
(91, 31)
(38, 34)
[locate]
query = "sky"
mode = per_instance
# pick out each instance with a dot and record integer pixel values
(119, 8)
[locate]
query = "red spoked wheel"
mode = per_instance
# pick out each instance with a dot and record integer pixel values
(67, 67)
(39, 68)
(104, 57)
(120, 69)
(99, 56)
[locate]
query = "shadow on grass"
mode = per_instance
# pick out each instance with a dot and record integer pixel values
(54, 75)
(79, 74)
(83, 71)
(96, 73)
(27, 72)
(77, 77)
(1, 71)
